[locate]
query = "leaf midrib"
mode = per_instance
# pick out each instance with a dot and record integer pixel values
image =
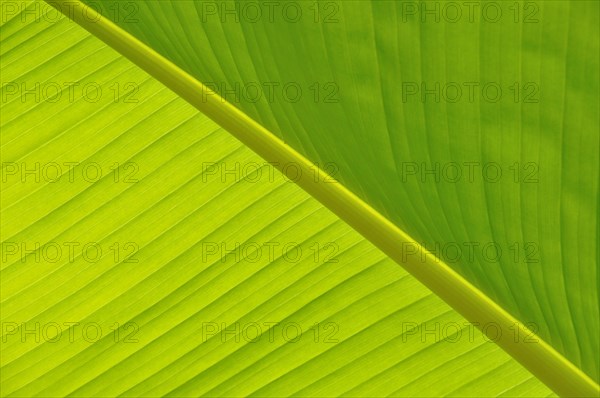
(541, 359)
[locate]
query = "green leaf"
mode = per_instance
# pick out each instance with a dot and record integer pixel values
(152, 185)
(528, 161)
(185, 205)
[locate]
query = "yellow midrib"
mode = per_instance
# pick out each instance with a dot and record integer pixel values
(539, 358)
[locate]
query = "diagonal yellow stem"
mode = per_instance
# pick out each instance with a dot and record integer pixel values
(540, 358)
